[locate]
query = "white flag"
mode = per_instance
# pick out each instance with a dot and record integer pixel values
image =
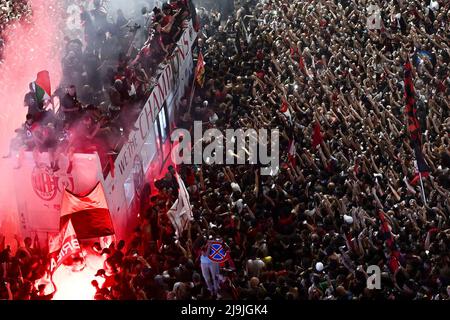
(181, 211)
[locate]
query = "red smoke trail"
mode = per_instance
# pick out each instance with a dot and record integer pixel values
(30, 48)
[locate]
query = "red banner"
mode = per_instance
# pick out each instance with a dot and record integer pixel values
(69, 247)
(200, 70)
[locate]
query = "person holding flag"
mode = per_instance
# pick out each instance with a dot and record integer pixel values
(39, 95)
(69, 249)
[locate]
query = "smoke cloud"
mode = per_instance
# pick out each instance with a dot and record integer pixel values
(30, 48)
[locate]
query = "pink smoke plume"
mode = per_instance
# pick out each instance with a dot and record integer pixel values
(31, 46)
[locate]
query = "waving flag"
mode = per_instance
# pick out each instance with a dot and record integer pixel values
(181, 211)
(413, 124)
(42, 87)
(410, 109)
(200, 70)
(89, 214)
(68, 247)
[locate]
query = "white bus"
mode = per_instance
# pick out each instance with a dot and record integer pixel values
(143, 158)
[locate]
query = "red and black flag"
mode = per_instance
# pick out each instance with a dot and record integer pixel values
(413, 123)
(62, 246)
(42, 87)
(90, 215)
(410, 108)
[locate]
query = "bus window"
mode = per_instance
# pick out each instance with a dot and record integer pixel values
(129, 189)
(149, 149)
(164, 125)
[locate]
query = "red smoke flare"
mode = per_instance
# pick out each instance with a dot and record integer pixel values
(30, 47)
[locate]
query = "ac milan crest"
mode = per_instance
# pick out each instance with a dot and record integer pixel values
(47, 183)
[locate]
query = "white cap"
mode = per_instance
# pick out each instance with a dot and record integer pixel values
(319, 266)
(348, 219)
(235, 187)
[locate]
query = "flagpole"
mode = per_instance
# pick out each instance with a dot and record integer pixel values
(193, 86)
(423, 190)
(191, 97)
(421, 183)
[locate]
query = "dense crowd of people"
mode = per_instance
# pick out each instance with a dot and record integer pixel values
(347, 199)
(351, 200)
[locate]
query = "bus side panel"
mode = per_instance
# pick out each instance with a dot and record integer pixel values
(39, 190)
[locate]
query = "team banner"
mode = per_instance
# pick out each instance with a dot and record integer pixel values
(89, 214)
(68, 247)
